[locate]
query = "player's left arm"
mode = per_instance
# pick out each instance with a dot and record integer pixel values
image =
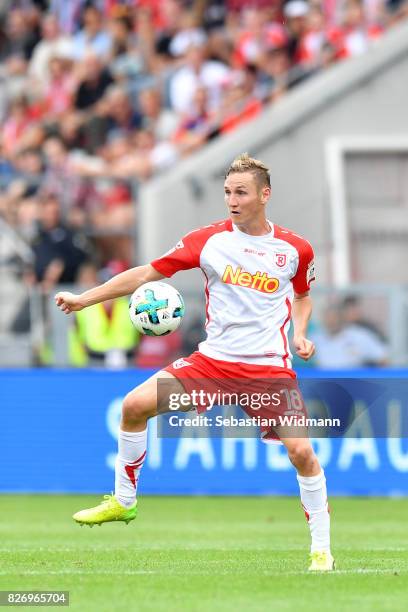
(302, 302)
(301, 312)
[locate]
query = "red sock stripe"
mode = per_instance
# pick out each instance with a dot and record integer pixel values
(307, 515)
(131, 468)
(130, 471)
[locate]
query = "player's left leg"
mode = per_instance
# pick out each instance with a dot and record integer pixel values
(313, 495)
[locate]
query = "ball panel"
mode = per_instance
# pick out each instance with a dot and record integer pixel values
(156, 309)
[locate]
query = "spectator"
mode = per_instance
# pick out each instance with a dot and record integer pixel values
(239, 101)
(94, 79)
(68, 14)
(77, 195)
(356, 33)
(215, 13)
(296, 13)
(127, 59)
(8, 171)
(58, 249)
(70, 130)
(20, 117)
(113, 114)
(353, 315)
(21, 40)
(58, 94)
(52, 44)
(118, 109)
(197, 71)
(58, 253)
(171, 16)
(29, 164)
(258, 35)
(342, 345)
(103, 335)
(316, 40)
(163, 122)
(197, 126)
(186, 38)
(147, 157)
(93, 38)
(19, 207)
(274, 75)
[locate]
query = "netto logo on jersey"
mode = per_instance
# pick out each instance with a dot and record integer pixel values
(260, 281)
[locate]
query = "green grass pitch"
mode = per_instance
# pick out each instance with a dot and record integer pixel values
(201, 554)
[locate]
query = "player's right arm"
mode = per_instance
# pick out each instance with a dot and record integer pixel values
(184, 256)
(121, 284)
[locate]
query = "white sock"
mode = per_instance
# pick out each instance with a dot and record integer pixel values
(129, 461)
(313, 495)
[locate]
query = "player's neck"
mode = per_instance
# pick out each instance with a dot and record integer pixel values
(255, 228)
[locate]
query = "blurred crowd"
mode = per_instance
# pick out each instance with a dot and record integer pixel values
(97, 97)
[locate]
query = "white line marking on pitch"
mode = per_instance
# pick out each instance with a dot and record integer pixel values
(190, 573)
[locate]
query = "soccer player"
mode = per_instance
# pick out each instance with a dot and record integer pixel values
(257, 279)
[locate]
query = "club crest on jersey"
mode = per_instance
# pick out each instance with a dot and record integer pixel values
(260, 281)
(280, 259)
(180, 363)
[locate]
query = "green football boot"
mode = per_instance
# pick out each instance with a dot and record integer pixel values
(109, 510)
(321, 561)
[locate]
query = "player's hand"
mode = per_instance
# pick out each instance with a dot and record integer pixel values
(68, 302)
(304, 347)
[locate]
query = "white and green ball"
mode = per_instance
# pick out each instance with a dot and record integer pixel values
(156, 309)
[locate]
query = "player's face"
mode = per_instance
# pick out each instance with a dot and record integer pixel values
(244, 198)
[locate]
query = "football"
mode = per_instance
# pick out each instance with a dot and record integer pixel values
(156, 309)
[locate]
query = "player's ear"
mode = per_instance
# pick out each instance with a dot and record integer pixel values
(265, 194)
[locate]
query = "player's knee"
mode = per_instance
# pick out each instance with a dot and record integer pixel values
(135, 408)
(301, 455)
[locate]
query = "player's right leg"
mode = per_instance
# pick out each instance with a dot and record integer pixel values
(138, 406)
(313, 494)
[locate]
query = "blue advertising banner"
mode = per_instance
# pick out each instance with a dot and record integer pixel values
(58, 431)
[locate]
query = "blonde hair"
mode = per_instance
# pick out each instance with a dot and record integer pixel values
(244, 163)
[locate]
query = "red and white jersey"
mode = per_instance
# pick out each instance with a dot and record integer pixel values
(250, 285)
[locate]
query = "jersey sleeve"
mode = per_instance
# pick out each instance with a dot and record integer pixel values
(187, 252)
(305, 273)
(184, 256)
